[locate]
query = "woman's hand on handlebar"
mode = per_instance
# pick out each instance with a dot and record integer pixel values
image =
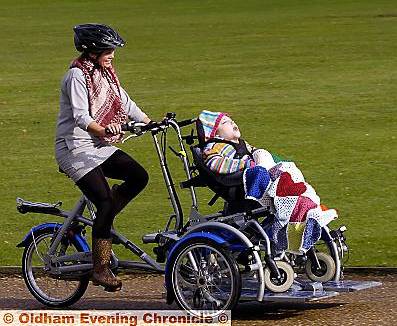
(99, 131)
(138, 128)
(114, 129)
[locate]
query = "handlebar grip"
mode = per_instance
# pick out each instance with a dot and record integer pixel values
(151, 125)
(187, 122)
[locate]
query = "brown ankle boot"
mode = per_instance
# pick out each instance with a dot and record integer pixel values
(102, 275)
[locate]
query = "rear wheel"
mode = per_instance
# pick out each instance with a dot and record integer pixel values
(53, 291)
(205, 277)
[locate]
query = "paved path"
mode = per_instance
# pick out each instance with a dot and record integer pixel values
(376, 306)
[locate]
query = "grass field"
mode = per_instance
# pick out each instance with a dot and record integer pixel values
(314, 81)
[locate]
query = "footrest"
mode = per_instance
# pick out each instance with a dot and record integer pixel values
(293, 295)
(349, 285)
(161, 236)
(300, 296)
(24, 206)
(298, 293)
(150, 238)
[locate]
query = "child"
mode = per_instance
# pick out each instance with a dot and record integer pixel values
(266, 179)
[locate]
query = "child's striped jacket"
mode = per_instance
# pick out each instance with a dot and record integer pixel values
(225, 157)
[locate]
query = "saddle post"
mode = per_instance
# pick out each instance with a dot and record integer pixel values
(77, 210)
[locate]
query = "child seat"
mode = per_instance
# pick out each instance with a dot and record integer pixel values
(227, 186)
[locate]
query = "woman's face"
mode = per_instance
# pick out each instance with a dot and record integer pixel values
(105, 58)
(228, 130)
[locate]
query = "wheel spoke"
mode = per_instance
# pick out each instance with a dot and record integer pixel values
(203, 278)
(193, 261)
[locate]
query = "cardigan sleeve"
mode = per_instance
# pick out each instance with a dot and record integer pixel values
(78, 95)
(219, 157)
(133, 111)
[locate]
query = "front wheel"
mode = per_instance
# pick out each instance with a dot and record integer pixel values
(205, 277)
(284, 283)
(327, 268)
(51, 290)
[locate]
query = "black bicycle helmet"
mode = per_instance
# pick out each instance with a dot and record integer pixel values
(96, 38)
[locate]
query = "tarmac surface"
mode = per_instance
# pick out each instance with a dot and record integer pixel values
(374, 306)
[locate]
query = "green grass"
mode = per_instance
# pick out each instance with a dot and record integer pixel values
(313, 81)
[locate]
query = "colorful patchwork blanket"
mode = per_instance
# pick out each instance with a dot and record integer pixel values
(299, 215)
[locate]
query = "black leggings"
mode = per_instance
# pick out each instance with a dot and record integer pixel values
(119, 166)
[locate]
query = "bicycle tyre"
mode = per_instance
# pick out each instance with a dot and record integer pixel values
(32, 283)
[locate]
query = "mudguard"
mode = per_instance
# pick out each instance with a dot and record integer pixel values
(199, 236)
(78, 239)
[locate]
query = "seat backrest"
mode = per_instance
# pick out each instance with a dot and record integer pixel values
(200, 133)
(229, 186)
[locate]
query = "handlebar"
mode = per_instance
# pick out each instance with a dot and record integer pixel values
(139, 128)
(136, 126)
(186, 122)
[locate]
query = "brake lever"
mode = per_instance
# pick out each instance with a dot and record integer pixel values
(135, 129)
(126, 138)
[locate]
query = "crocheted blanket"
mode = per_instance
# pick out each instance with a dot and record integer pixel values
(299, 216)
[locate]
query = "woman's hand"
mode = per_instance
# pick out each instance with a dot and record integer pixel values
(113, 129)
(110, 129)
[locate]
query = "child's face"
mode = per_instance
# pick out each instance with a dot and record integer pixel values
(228, 130)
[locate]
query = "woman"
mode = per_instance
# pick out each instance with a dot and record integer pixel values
(93, 106)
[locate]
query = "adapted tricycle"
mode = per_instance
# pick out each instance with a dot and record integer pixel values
(210, 262)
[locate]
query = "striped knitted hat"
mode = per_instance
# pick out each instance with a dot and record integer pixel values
(210, 121)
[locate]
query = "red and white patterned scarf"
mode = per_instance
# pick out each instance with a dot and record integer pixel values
(103, 94)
